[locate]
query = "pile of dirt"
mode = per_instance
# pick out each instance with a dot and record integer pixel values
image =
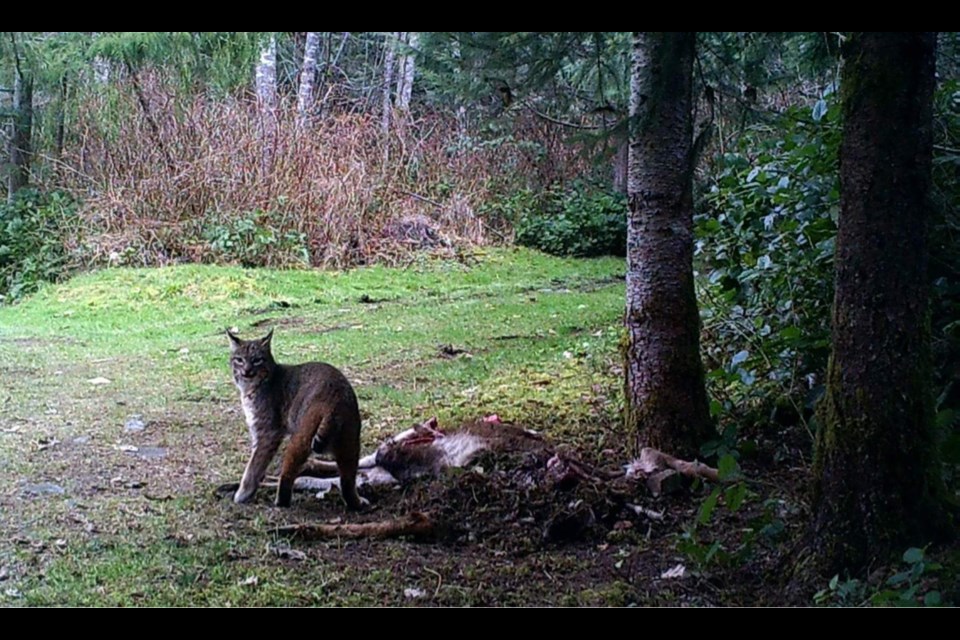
(520, 502)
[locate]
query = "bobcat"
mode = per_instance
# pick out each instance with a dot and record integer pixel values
(313, 403)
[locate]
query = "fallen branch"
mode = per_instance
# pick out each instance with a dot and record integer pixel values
(417, 196)
(562, 123)
(416, 525)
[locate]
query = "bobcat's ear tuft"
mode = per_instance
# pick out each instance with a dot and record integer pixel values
(265, 340)
(234, 340)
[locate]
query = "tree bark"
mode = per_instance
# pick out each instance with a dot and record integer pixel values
(389, 60)
(148, 114)
(61, 117)
(878, 485)
(620, 165)
(666, 401)
(407, 71)
(267, 99)
(306, 96)
(101, 66)
(330, 64)
(267, 75)
(101, 70)
(19, 144)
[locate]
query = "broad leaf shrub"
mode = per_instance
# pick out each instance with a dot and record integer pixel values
(581, 220)
(765, 236)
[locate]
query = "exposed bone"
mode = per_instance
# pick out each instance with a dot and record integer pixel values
(653, 460)
(374, 476)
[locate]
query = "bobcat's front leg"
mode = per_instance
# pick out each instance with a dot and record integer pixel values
(263, 452)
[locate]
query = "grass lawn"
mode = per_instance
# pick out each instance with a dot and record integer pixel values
(118, 418)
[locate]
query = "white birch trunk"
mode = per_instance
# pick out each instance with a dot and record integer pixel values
(407, 72)
(101, 66)
(267, 75)
(389, 59)
(101, 70)
(306, 96)
(267, 98)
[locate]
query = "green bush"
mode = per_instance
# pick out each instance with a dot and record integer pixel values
(256, 240)
(32, 251)
(583, 220)
(945, 273)
(505, 211)
(909, 587)
(764, 253)
(765, 243)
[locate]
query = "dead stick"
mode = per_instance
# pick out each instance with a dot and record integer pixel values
(417, 196)
(416, 525)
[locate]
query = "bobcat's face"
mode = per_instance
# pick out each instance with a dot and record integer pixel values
(251, 361)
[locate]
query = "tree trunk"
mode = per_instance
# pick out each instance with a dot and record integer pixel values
(267, 99)
(389, 58)
(61, 117)
(101, 70)
(620, 165)
(330, 64)
(666, 401)
(101, 66)
(878, 485)
(19, 144)
(407, 71)
(267, 75)
(308, 74)
(148, 114)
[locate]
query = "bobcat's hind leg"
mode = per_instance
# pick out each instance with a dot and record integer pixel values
(347, 455)
(348, 482)
(298, 450)
(325, 434)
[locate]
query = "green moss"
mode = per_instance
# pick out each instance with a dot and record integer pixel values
(617, 594)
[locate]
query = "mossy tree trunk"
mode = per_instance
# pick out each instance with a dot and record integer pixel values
(666, 401)
(878, 486)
